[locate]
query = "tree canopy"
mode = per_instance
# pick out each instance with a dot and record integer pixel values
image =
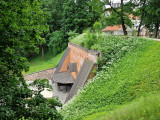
(22, 23)
(80, 14)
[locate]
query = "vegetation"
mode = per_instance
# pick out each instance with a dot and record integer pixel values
(124, 71)
(144, 108)
(130, 70)
(36, 63)
(57, 42)
(152, 16)
(120, 14)
(79, 39)
(80, 14)
(21, 26)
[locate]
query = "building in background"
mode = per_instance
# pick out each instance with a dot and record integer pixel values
(116, 30)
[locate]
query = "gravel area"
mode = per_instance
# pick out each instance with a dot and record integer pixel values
(60, 93)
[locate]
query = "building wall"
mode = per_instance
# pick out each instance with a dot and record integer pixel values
(64, 67)
(77, 55)
(144, 32)
(118, 32)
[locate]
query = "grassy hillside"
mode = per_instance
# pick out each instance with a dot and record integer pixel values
(130, 70)
(36, 63)
(144, 108)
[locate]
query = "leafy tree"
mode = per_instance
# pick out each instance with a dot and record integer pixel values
(80, 14)
(152, 16)
(142, 4)
(120, 13)
(114, 19)
(55, 10)
(57, 42)
(22, 23)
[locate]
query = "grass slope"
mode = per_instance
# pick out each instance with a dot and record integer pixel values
(37, 63)
(131, 70)
(79, 39)
(144, 108)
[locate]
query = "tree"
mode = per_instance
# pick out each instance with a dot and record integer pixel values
(57, 42)
(22, 23)
(114, 19)
(121, 12)
(152, 16)
(55, 11)
(80, 14)
(142, 4)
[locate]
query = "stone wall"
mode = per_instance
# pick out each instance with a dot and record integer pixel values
(44, 74)
(78, 54)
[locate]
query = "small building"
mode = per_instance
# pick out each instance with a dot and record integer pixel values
(144, 32)
(116, 30)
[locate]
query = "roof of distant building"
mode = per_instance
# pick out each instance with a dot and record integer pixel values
(131, 16)
(112, 28)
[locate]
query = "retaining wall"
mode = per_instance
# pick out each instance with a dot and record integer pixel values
(78, 54)
(44, 74)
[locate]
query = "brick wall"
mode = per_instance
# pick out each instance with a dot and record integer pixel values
(45, 74)
(78, 54)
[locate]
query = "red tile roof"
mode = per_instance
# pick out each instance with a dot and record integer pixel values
(133, 17)
(112, 28)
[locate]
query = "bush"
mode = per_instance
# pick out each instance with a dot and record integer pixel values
(97, 26)
(72, 34)
(89, 39)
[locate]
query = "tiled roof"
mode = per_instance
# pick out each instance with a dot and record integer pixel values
(64, 78)
(112, 28)
(72, 67)
(81, 78)
(131, 16)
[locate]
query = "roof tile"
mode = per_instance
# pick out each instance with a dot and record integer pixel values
(112, 28)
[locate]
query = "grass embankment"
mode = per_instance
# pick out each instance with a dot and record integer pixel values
(36, 63)
(131, 69)
(79, 39)
(144, 108)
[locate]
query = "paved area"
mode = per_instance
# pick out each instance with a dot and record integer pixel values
(155, 39)
(60, 93)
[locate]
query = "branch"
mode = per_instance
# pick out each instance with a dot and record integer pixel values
(114, 9)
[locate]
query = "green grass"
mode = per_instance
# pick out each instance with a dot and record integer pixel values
(37, 63)
(79, 39)
(144, 108)
(131, 69)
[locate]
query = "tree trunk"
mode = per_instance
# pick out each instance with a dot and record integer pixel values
(142, 16)
(156, 30)
(42, 51)
(122, 19)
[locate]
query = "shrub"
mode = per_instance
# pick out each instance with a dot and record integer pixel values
(89, 39)
(72, 34)
(97, 26)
